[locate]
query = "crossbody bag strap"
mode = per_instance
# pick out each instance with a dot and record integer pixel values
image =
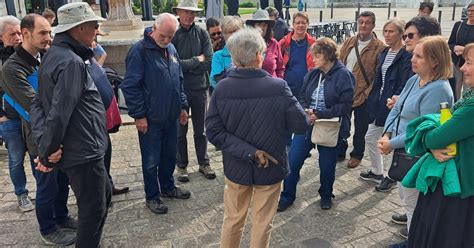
(359, 62)
(399, 112)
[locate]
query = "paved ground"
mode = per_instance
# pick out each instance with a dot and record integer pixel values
(360, 216)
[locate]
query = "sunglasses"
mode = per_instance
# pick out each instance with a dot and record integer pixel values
(216, 33)
(409, 36)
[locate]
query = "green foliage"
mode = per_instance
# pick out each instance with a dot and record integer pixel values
(244, 11)
(248, 5)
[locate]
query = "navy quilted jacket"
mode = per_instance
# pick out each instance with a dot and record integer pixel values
(250, 111)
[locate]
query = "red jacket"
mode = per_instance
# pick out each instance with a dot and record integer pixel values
(285, 49)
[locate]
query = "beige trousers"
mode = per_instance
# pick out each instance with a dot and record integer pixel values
(237, 200)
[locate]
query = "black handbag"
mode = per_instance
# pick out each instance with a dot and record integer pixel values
(401, 164)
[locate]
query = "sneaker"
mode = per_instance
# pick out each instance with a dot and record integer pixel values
(403, 232)
(207, 171)
(353, 163)
(386, 185)
(69, 225)
(157, 206)
(326, 203)
(182, 174)
(24, 203)
(370, 176)
(282, 206)
(59, 237)
(177, 193)
(400, 219)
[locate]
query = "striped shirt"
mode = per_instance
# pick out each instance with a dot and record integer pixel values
(386, 64)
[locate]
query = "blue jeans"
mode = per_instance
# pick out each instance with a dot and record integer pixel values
(158, 150)
(16, 147)
(52, 191)
(299, 151)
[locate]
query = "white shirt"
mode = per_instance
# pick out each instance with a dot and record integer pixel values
(352, 57)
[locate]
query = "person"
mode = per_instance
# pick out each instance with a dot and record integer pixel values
(250, 116)
(49, 15)
(273, 62)
(68, 112)
(156, 116)
(52, 189)
(10, 123)
(438, 220)
(392, 71)
(278, 6)
(280, 29)
(195, 52)
(425, 8)
(294, 46)
(415, 29)
(461, 35)
(431, 63)
(368, 46)
(327, 92)
(99, 53)
(213, 27)
(221, 60)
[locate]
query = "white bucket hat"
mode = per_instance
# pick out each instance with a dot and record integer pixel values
(187, 5)
(74, 14)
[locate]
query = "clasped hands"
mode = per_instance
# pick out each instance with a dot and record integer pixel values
(262, 158)
(53, 158)
(311, 115)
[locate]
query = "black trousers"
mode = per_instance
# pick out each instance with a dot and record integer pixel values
(197, 100)
(93, 194)
(361, 125)
(278, 5)
(108, 160)
(232, 7)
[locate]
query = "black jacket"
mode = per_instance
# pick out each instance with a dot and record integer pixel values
(15, 73)
(5, 109)
(191, 43)
(68, 109)
(338, 94)
(396, 77)
(249, 111)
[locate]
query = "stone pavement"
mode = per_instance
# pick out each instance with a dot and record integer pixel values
(360, 216)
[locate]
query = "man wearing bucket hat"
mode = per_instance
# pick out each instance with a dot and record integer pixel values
(68, 112)
(195, 51)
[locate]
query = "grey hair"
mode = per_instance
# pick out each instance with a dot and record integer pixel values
(166, 17)
(231, 23)
(243, 46)
(8, 20)
(399, 23)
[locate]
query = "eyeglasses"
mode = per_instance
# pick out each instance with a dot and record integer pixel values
(360, 22)
(216, 33)
(409, 36)
(299, 23)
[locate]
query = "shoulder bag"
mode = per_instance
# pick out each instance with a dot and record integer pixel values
(401, 161)
(325, 131)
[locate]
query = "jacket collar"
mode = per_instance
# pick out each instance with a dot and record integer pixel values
(337, 65)
(247, 73)
(149, 42)
(66, 41)
(287, 39)
(5, 52)
(27, 57)
(187, 29)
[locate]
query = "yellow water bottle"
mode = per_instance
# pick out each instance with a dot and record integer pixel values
(445, 115)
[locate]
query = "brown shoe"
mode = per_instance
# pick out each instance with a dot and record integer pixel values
(353, 163)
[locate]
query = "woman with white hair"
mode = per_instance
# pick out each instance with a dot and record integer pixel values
(250, 117)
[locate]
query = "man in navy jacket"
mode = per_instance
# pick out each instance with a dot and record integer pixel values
(250, 118)
(153, 90)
